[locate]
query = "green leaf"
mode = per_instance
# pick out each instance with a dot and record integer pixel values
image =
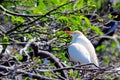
(5, 39)
(101, 47)
(21, 28)
(109, 76)
(29, 36)
(98, 4)
(33, 27)
(62, 55)
(17, 20)
(96, 29)
(100, 19)
(39, 61)
(48, 74)
(59, 33)
(30, 49)
(20, 35)
(42, 5)
(113, 44)
(116, 16)
(106, 59)
(71, 73)
(55, 49)
(87, 21)
(26, 78)
(63, 20)
(76, 73)
(19, 56)
(116, 54)
(79, 4)
(56, 2)
(109, 16)
(117, 6)
(37, 11)
(76, 23)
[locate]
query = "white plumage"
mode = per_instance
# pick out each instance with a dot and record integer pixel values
(83, 55)
(81, 49)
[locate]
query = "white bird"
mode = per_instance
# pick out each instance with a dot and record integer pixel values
(81, 49)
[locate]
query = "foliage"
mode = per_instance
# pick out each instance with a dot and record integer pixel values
(44, 20)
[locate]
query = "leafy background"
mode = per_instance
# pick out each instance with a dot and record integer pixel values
(46, 20)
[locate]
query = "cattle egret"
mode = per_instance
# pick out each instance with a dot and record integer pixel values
(81, 49)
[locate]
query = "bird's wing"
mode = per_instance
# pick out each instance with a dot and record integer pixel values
(90, 48)
(79, 53)
(92, 52)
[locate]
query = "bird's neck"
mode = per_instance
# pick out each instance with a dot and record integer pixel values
(80, 40)
(76, 39)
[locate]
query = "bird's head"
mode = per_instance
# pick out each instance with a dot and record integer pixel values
(75, 33)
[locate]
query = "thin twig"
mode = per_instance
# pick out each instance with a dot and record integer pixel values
(48, 13)
(17, 14)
